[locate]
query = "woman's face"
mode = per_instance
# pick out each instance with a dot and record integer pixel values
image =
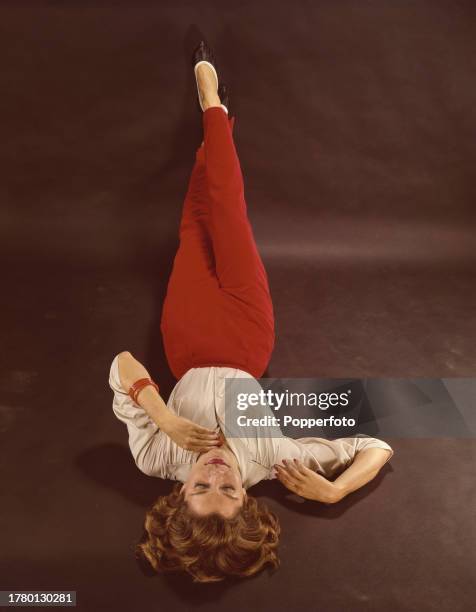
(214, 484)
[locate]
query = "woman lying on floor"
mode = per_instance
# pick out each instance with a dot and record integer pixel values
(217, 322)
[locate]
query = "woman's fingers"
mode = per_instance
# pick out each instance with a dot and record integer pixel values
(289, 484)
(292, 469)
(200, 445)
(197, 446)
(302, 469)
(204, 446)
(284, 476)
(204, 432)
(280, 472)
(204, 438)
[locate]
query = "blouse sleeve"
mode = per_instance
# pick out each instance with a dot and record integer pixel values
(330, 457)
(149, 446)
(350, 447)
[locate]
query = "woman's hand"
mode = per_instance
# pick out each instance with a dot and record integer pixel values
(304, 482)
(189, 435)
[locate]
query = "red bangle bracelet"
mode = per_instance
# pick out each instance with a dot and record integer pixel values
(139, 385)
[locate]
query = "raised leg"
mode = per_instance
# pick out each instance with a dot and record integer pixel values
(218, 309)
(195, 261)
(237, 260)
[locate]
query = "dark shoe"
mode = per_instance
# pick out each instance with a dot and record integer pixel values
(224, 96)
(203, 54)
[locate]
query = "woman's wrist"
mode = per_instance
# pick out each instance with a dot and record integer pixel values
(139, 384)
(149, 399)
(337, 493)
(330, 494)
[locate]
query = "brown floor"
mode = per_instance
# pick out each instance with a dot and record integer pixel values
(355, 127)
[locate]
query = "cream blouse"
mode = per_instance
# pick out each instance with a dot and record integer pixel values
(200, 396)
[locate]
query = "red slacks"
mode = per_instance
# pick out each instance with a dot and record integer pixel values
(218, 310)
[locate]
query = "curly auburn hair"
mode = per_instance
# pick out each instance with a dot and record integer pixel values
(210, 547)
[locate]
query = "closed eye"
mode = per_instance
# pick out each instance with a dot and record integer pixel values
(201, 485)
(201, 488)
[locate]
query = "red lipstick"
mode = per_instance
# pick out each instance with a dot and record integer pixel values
(217, 460)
